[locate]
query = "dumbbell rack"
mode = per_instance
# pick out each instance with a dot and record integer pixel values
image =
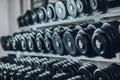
(112, 14)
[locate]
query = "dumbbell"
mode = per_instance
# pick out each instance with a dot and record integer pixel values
(83, 6)
(5, 71)
(33, 75)
(83, 40)
(72, 8)
(61, 76)
(110, 72)
(76, 78)
(21, 73)
(37, 11)
(43, 14)
(6, 43)
(103, 5)
(104, 40)
(57, 40)
(51, 13)
(71, 68)
(20, 21)
(40, 40)
(13, 72)
(69, 40)
(61, 9)
(86, 71)
(30, 17)
(45, 76)
(48, 40)
(47, 66)
(38, 63)
(57, 67)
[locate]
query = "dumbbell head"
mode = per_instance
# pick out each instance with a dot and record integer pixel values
(86, 71)
(83, 6)
(51, 13)
(43, 14)
(61, 10)
(72, 9)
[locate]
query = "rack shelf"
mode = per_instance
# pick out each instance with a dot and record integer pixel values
(112, 13)
(78, 58)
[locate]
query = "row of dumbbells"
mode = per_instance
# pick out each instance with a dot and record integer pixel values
(85, 39)
(64, 8)
(56, 70)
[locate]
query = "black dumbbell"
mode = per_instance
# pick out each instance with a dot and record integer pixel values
(57, 67)
(20, 21)
(45, 76)
(57, 41)
(105, 38)
(38, 63)
(47, 66)
(86, 71)
(51, 13)
(83, 40)
(48, 40)
(61, 9)
(40, 40)
(43, 14)
(71, 68)
(103, 5)
(72, 8)
(107, 73)
(83, 6)
(30, 17)
(69, 40)
(61, 76)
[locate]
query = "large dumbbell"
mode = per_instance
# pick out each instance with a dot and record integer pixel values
(107, 73)
(61, 9)
(33, 75)
(51, 13)
(83, 40)
(21, 73)
(40, 40)
(69, 40)
(103, 5)
(105, 38)
(57, 41)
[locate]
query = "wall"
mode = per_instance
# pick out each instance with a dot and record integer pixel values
(4, 28)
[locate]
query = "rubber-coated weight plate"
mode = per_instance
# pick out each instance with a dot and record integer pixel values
(61, 10)
(51, 13)
(71, 7)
